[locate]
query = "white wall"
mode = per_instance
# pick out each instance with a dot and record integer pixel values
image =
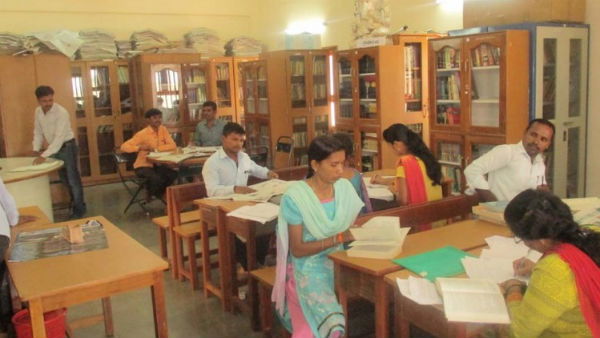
(593, 153)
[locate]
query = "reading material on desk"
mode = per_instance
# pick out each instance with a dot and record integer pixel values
(442, 262)
(193, 149)
(380, 237)
(579, 204)
(51, 242)
(261, 212)
(379, 191)
(473, 300)
(36, 167)
(175, 158)
(419, 290)
(264, 191)
(492, 212)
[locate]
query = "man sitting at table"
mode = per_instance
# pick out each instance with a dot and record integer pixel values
(154, 137)
(209, 130)
(226, 172)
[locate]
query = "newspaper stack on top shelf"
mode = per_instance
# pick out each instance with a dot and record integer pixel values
(125, 49)
(243, 46)
(149, 40)
(204, 41)
(11, 44)
(97, 45)
(62, 41)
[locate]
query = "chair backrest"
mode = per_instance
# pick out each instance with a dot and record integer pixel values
(120, 159)
(260, 155)
(182, 196)
(448, 208)
(284, 148)
(292, 173)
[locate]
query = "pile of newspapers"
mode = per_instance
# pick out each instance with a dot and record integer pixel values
(243, 46)
(97, 45)
(204, 41)
(11, 44)
(125, 49)
(149, 41)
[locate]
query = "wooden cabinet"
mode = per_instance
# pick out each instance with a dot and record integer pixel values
(177, 84)
(19, 77)
(104, 115)
(477, 96)
(377, 87)
(287, 93)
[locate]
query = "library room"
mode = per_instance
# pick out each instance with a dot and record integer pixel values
(298, 169)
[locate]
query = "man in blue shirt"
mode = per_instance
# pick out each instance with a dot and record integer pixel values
(210, 129)
(226, 172)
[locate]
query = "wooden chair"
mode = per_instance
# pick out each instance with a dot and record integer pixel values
(181, 197)
(292, 173)
(265, 279)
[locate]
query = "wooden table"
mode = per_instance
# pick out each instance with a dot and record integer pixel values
(22, 184)
(57, 282)
(365, 277)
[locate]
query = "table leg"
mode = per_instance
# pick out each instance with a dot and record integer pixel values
(231, 274)
(158, 306)
(381, 309)
(341, 293)
(224, 260)
(251, 254)
(401, 324)
(108, 319)
(36, 312)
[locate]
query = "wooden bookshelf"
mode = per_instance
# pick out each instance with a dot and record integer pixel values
(477, 97)
(104, 115)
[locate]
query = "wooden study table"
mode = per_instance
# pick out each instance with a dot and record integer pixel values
(364, 277)
(213, 213)
(57, 282)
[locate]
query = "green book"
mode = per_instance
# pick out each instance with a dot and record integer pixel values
(442, 262)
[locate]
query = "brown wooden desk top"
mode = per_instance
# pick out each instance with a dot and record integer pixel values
(124, 258)
(192, 161)
(464, 235)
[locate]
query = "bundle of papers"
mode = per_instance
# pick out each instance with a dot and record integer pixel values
(204, 41)
(378, 191)
(492, 212)
(380, 237)
(193, 149)
(175, 158)
(37, 167)
(157, 154)
(243, 46)
(149, 40)
(260, 212)
(97, 45)
(11, 44)
(264, 191)
(496, 263)
(62, 41)
(419, 290)
(124, 48)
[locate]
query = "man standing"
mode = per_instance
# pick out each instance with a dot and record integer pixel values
(210, 129)
(226, 172)
(512, 168)
(52, 124)
(155, 137)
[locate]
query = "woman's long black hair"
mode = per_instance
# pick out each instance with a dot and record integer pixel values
(400, 132)
(535, 214)
(321, 148)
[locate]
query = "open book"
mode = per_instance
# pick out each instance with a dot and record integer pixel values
(261, 212)
(378, 191)
(380, 237)
(472, 300)
(264, 191)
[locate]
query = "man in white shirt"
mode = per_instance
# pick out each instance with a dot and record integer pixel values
(53, 125)
(226, 172)
(512, 168)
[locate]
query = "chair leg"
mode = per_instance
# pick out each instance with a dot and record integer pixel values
(108, 317)
(162, 240)
(192, 262)
(178, 257)
(134, 199)
(205, 249)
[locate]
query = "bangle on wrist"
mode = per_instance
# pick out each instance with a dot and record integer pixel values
(340, 237)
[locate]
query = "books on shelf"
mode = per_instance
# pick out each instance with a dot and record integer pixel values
(448, 87)
(222, 72)
(485, 55)
(297, 66)
(472, 300)
(319, 66)
(448, 58)
(448, 114)
(380, 237)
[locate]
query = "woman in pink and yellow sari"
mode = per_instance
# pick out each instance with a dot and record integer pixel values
(418, 173)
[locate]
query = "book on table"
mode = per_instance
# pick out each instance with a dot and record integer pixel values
(380, 237)
(472, 300)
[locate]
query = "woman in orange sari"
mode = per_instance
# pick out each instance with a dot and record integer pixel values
(418, 173)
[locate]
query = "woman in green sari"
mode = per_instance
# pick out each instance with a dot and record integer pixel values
(313, 221)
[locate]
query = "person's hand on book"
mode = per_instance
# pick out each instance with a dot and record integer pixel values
(39, 160)
(523, 267)
(347, 236)
(145, 147)
(26, 219)
(512, 285)
(243, 190)
(271, 174)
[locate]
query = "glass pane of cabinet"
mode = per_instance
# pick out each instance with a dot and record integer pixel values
(450, 157)
(369, 151)
(84, 152)
(447, 77)
(574, 174)
(345, 87)
(479, 149)
(321, 125)
(549, 76)
(100, 78)
(78, 90)
(319, 78)
(195, 83)
(297, 81)
(300, 136)
(105, 137)
(124, 91)
(367, 87)
(249, 78)
(261, 90)
(251, 140)
(264, 134)
(485, 86)
(223, 85)
(167, 91)
(413, 77)
(575, 77)
(417, 128)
